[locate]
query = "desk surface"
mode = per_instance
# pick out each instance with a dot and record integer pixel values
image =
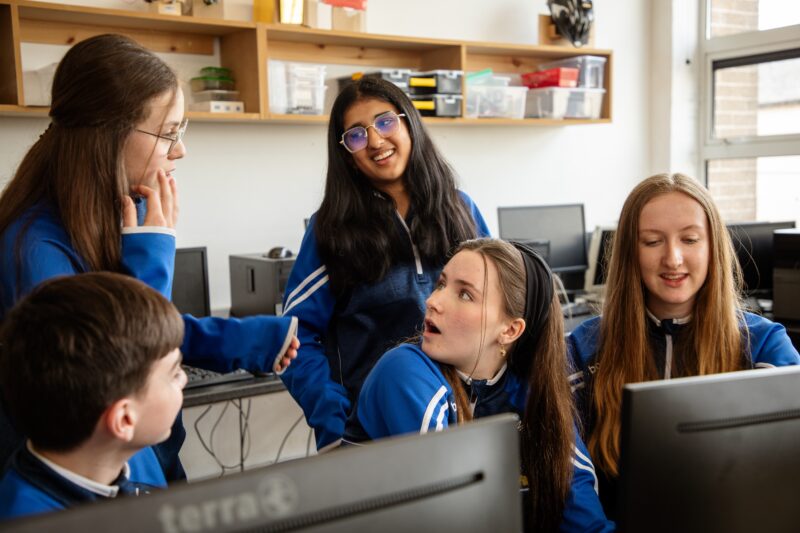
(232, 391)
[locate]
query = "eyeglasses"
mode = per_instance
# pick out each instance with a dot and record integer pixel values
(356, 139)
(173, 139)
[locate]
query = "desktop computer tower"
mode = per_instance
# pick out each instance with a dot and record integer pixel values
(786, 274)
(257, 284)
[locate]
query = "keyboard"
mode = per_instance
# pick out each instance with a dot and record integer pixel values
(578, 309)
(200, 377)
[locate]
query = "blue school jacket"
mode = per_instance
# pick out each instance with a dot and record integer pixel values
(31, 487)
(406, 392)
(341, 340)
(148, 254)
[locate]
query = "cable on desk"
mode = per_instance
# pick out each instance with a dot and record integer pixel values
(286, 437)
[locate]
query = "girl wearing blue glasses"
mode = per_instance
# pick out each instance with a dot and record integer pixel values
(96, 192)
(390, 216)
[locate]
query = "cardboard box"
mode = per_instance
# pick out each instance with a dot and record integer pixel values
(347, 19)
(212, 9)
(317, 14)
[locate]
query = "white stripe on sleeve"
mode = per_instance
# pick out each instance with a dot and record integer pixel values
(426, 420)
(305, 282)
(307, 294)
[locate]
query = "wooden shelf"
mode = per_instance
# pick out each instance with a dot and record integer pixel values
(245, 48)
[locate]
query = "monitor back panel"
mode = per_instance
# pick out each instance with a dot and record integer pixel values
(719, 453)
(464, 479)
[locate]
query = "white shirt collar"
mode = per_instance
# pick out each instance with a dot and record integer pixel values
(107, 491)
(683, 320)
(468, 379)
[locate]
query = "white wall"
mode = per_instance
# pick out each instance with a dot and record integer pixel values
(247, 187)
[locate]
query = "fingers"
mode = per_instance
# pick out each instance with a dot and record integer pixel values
(155, 214)
(166, 188)
(128, 212)
(291, 353)
(173, 185)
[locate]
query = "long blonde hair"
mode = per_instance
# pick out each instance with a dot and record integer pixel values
(714, 340)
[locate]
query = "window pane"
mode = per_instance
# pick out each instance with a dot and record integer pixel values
(757, 99)
(763, 188)
(728, 17)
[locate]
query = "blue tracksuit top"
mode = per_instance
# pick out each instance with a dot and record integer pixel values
(31, 487)
(769, 346)
(38, 244)
(341, 340)
(406, 392)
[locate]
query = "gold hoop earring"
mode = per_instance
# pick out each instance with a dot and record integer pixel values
(502, 351)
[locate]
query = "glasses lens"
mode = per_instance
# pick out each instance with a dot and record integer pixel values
(179, 134)
(387, 124)
(355, 139)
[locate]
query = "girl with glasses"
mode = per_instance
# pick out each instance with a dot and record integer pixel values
(390, 216)
(492, 342)
(96, 192)
(672, 309)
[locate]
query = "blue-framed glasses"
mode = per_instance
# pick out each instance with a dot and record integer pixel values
(356, 139)
(173, 139)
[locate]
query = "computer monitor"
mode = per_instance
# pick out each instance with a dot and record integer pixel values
(190, 284)
(462, 479)
(599, 248)
(753, 244)
(712, 453)
(560, 228)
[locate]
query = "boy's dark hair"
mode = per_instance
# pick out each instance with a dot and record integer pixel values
(74, 346)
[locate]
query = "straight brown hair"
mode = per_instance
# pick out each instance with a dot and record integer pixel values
(714, 339)
(548, 430)
(101, 90)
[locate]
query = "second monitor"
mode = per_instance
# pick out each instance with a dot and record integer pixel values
(558, 229)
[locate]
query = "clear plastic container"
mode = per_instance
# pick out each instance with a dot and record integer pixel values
(216, 96)
(592, 69)
(305, 73)
(438, 105)
(489, 101)
(303, 99)
(436, 82)
(210, 83)
(547, 102)
(585, 103)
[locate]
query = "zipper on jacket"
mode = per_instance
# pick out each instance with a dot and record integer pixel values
(417, 260)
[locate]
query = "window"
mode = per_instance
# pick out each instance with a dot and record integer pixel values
(751, 107)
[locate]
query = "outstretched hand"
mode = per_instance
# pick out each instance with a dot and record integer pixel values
(162, 205)
(288, 356)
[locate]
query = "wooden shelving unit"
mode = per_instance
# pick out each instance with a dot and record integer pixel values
(245, 48)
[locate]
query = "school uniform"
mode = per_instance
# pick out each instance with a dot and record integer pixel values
(36, 248)
(35, 485)
(407, 393)
(768, 346)
(342, 338)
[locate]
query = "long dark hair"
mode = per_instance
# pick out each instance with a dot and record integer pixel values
(539, 359)
(355, 223)
(100, 92)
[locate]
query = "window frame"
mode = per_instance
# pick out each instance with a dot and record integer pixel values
(740, 45)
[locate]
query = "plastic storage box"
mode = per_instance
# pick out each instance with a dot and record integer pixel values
(554, 77)
(492, 101)
(436, 82)
(592, 69)
(398, 76)
(218, 96)
(296, 88)
(212, 83)
(585, 103)
(547, 102)
(438, 105)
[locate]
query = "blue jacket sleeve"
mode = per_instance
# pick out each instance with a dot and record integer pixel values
(308, 297)
(480, 224)
(224, 344)
(770, 345)
(582, 510)
(404, 393)
(148, 254)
